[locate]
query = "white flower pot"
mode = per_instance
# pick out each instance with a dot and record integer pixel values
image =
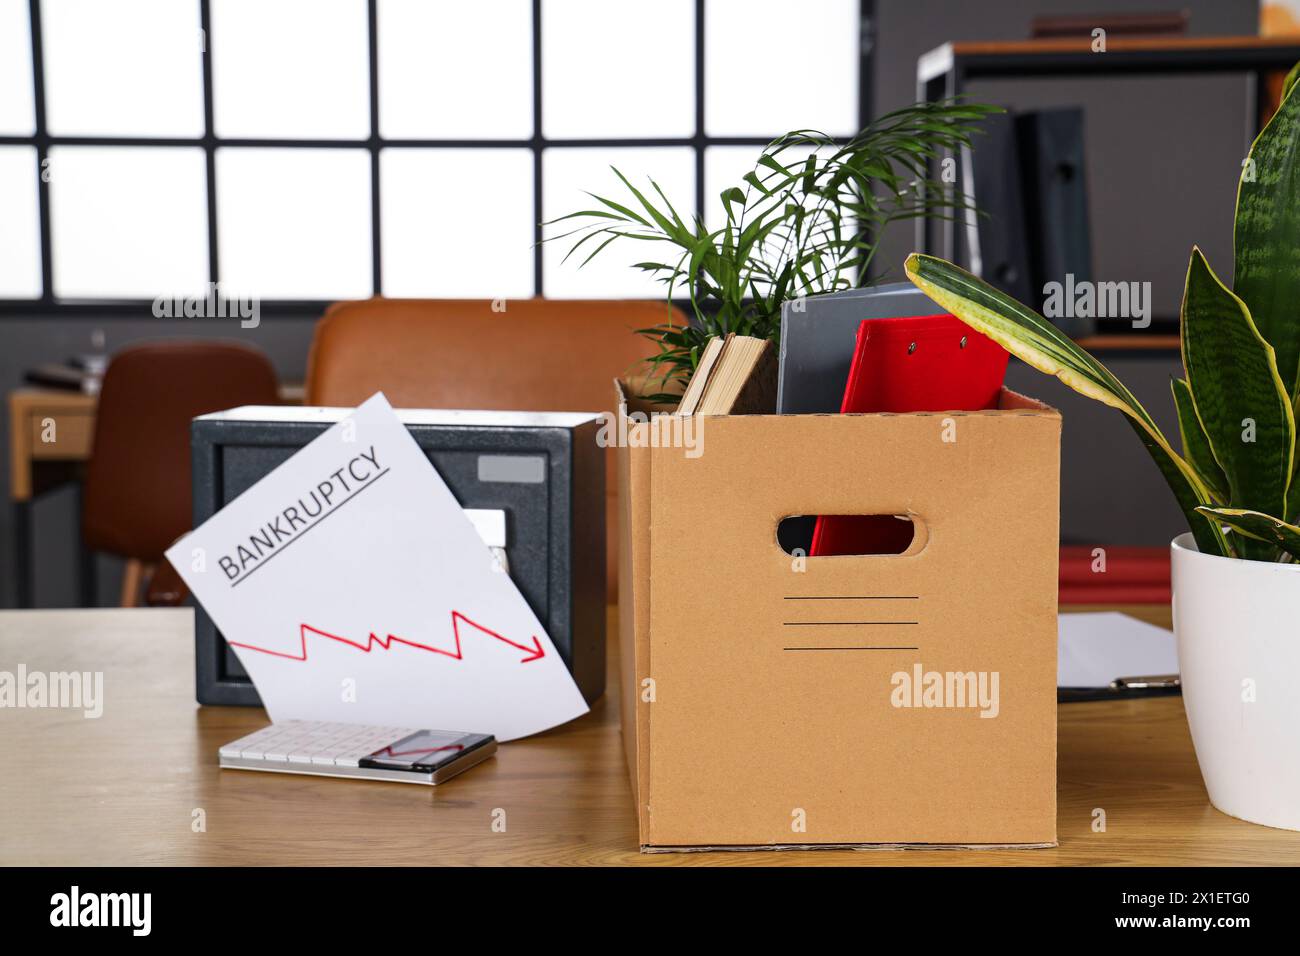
(1238, 629)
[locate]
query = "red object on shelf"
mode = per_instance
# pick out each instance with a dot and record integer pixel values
(1132, 575)
(923, 363)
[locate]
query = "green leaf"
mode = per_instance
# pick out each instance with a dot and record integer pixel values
(1209, 536)
(1259, 526)
(672, 230)
(1238, 396)
(619, 208)
(1290, 79)
(1266, 237)
(1196, 447)
(733, 195)
(594, 252)
(1034, 340)
(754, 181)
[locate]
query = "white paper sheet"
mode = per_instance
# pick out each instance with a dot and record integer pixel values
(354, 588)
(1096, 648)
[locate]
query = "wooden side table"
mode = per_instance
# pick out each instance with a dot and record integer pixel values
(50, 436)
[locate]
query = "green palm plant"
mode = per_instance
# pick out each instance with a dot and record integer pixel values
(1235, 478)
(807, 219)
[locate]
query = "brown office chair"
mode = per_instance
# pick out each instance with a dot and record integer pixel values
(537, 355)
(137, 491)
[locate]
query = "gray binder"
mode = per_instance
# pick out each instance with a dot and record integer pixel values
(1053, 164)
(997, 242)
(818, 335)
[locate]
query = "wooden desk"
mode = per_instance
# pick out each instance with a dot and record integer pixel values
(50, 436)
(125, 789)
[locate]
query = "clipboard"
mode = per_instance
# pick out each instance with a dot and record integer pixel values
(924, 363)
(1095, 645)
(1124, 688)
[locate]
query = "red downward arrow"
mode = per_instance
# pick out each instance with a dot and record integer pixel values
(534, 652)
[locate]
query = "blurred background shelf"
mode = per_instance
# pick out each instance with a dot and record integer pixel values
(1133, 342)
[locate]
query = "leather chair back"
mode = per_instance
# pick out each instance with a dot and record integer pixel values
(544, 355)
(536, 355)
(137, 498)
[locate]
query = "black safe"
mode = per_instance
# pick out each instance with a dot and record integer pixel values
(544, 470)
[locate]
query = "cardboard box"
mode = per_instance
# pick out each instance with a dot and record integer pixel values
(750, 723)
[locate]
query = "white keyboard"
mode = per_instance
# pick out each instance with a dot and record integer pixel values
(334, 749)
(315, 742)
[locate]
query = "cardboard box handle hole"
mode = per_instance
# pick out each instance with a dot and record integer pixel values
(849, 535)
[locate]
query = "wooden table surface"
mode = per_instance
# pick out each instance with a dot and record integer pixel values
(133, 786)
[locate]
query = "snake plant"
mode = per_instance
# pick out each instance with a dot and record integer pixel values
(1235, 478)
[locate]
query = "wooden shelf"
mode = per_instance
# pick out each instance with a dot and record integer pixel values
(1010, 58)
(1129, 343)
(1123, 45)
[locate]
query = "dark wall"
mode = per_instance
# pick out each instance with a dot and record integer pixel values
(1163, 157)
(1163, 152)
(1111, 492)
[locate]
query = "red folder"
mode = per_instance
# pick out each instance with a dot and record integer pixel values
(929, 363)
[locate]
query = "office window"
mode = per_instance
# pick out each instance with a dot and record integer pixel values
(290, 69)
(618, 70)
(20, 252)
(810, 82)
(129, 221)
(568, 172)
(441, 239)
(481, 53)
(122, 68)
(17, 109)
(294, 223)
(302, 151)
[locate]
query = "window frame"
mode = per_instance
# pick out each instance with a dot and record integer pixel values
(374, 144)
